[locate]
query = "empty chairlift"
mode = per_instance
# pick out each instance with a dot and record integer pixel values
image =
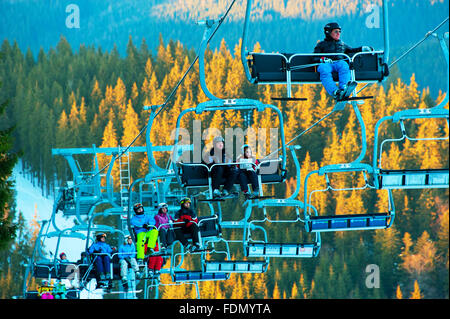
(409, 178)
(345, 222)
(412, 178)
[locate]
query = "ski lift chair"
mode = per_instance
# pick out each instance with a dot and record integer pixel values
(347, 222)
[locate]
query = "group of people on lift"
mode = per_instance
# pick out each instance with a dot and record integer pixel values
(147, 230)
(222, 171)
(185, 221)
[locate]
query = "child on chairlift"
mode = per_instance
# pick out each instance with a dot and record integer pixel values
(247, 172)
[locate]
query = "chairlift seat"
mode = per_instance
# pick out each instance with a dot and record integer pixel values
(349, 222)
(307, 250)
(181, 276)
(197, 175)
(44, 270)
(413, 178)
(233, 266)
(271, 68)
(83, 268)
(210, 227)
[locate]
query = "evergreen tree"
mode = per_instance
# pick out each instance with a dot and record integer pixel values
(8, 160)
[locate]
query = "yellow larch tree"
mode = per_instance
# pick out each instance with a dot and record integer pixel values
(416, 294)
(398, 293)
(294, 291)
(276, 292)
(109, 140)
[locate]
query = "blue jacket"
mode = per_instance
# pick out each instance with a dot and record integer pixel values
(138, 222)
(127, 251)
(100, 247)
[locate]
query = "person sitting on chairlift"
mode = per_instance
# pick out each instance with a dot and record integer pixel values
(247, 172)
(162, 223)
(127, 258)
(146, 232)
(329, 64)
(102, 260)
(217, 155)
(186, 215)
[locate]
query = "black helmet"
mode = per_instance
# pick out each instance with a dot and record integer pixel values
(331, 26)
(185, 200)
(138, 208)
(100, 235)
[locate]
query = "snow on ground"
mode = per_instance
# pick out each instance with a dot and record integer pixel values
(29, 201)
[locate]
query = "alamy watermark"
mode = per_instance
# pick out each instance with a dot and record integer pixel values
(373, 19)
(73, 19)
(373, 277)
(264, 142)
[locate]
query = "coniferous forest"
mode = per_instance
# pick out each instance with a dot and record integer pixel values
(67, 98)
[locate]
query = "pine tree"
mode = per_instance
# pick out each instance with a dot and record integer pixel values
(131, 127)
(416, 294)
(109, 140)
(276, 292)
(398, 293)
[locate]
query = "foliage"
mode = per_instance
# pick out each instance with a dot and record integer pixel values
(66, 99)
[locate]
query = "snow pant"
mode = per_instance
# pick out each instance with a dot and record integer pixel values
(245, 177)
(150, 237)
(124, 263)
(166, 236)
(191, 229)
(326, 76)
(102, 264)
(155, 263)
(223, 171)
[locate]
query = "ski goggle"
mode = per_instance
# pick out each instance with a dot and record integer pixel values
(185, 200)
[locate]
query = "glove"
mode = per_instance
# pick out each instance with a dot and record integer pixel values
(366, 48)
(146, 226)
(325, 60)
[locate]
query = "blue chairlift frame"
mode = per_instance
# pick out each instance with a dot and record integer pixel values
(224, 105)
(413, 178)
(287, 58)
(266, 249)
(349, 222)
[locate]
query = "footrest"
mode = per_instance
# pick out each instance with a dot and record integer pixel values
(232, 266)
(348, 222)
(180, 276)
(413, 179)
(281, 250)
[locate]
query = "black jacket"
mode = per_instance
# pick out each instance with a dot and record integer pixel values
(328, 45)
(185, 212)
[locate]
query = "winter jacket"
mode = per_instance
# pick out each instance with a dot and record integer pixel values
(127, 251)
(100, 247)
(186, 215)
(225, 157)
(245, 166)
(162, 218)
(138, 221)
(329, 45)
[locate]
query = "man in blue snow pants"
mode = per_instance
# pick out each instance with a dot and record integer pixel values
(329, 64)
